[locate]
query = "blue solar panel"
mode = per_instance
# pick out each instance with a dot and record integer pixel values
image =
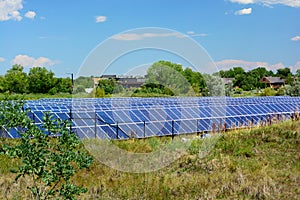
(121, 118)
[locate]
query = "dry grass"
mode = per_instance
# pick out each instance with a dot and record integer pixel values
(261, 163)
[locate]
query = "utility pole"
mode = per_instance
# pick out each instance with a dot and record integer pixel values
(72, 79)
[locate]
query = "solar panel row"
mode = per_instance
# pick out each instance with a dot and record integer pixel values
(121, 118)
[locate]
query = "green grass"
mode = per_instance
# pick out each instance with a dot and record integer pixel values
(40, 96)
(262, 163)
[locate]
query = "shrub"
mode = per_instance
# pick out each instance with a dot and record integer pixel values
(268, 92)
(79, 89)
(53, 91)
(49, 161)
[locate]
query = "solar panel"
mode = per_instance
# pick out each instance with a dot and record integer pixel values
(121, 118)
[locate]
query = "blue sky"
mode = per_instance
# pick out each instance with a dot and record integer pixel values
(60, 34)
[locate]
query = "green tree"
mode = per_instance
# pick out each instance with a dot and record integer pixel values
(298, 73)
(86, 82)
(215, 86)
(99, 92)
(168, 75)
(3, 86)
(231, 73)
(260, 72)
(16, 80)
(195, 79)
(284, 73)
(11, 114)
(109, 86)
(152, 88)
(40, 80)
(63, 85)
(79, 89)
(293, 90)
(239, 80)
(49, 162)
(257, 74)
(268, 92)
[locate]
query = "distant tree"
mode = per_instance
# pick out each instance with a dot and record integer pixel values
(63, 85)
(169, 75)
(53, 91)
(16, 80)
(97, 93)
(40, 80)
(281, 91)
(3, 86)
(195, 79)
(298, 73)
(261, 72)
(284, 73)
(257, 74)
(231, 73)
(109, 86)
(289, 79)
(79, 89)
(155, 89)
(176, 67)
(238, 70)
(294, 89)
(86, 82)
(214, 85)
(246, 80)
(238, 90)
(268, 92)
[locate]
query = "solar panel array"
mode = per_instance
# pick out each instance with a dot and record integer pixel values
(122, 118)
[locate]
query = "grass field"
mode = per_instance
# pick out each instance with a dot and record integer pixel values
(262, 163)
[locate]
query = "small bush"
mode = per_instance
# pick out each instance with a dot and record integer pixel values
(49, 162)
(268, 92)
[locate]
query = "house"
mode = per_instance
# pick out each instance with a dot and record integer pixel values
(97, 79)
(273, 82)
(130, 82)
(108, 77)
(125, 81)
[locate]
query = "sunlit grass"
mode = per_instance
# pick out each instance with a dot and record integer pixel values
(261, 163)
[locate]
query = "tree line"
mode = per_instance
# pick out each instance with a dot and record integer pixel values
(169, 78)
(249, 80)
(38, 80)
(163, 78)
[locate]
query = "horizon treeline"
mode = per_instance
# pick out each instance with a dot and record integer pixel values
(163, 77)
(38, 81)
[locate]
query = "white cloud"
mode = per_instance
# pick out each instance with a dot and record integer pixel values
(192, 33)
(296, 66)
(9, 9)
(249, 65)
(27, 61)
(30, 14)
(100, 19)
(135, 36)
(245, 11)
(296, 38)
(242, 1)
(2, 59)
(291, 3)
